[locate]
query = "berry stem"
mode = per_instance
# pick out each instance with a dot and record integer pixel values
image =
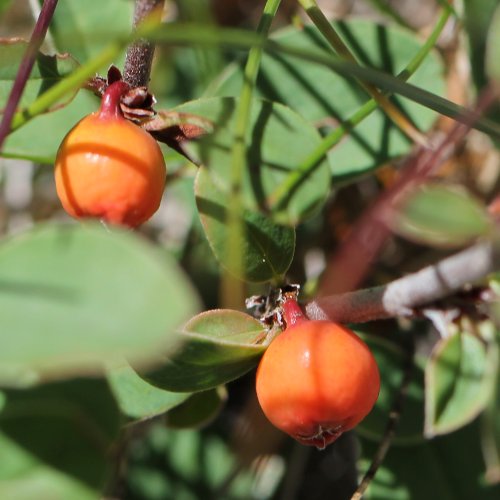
(292, 312)
(110, 104)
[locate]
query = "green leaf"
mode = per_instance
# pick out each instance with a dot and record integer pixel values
(84, 32)
(199, 410)
(324, 97)
(47, 71)
(480, 23)
(32, 143)
(277, 142)
(267, 248)
(55, 441)
(136, 398)
(391, 361)
(441, 216)
(190, 465)
(493, 47)
(460, 377)
(4, 5)
(490, 424)
(216, 347)
(74, 297)
(446, 468)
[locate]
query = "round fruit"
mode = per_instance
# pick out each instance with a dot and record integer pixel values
(316, 380)
(109, 168)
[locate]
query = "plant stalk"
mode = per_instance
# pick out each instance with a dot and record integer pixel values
(139, 58)
(27, 63)
(233, 293)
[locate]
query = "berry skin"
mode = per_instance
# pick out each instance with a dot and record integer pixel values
(316, 380)
(109, 168)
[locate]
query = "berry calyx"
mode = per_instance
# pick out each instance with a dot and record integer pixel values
(109, 168)
(317, 379)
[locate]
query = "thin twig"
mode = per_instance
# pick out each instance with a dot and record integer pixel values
(391, 427)
(140, 54)
(232, 289)
(23, 73)
(404, 295)
(351, 263)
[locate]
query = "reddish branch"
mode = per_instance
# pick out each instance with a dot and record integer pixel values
(24, 71)
(403, 296)
(140, 54)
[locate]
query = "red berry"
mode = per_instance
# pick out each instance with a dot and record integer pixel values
(109, 168)
(316, 380)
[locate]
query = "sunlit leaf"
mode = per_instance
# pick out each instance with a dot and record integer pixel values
(47, 71)
(460, 377)
(84, 32)
(278, 140)
(76, 297)
(216, 347)
(441, 216)
(326, 99)
(138, 399)
(267, 248)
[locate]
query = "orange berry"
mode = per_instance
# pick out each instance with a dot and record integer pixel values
(109, 168)
(316, 380)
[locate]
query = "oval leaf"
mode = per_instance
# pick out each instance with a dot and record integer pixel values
(267, 248)
(459, 378)
(47, 71)
(85, 32)
(73, 298)
(278, 140)
(216, 347)
(136, 398)
(199, 410)
(324, 97)
(441, 216)
(55, 440)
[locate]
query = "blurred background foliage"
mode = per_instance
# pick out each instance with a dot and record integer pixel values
(228, 449)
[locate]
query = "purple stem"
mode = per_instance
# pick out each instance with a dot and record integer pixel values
(23, 73)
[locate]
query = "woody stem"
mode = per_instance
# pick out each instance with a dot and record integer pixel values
(140, 54)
